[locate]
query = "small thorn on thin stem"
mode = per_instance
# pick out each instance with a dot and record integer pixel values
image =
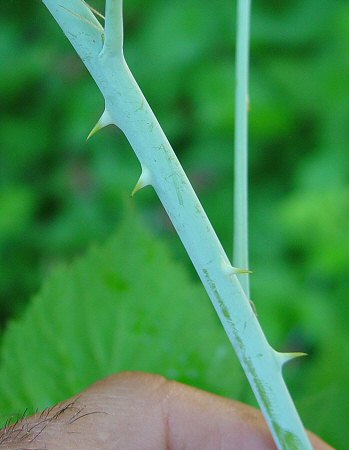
(284, 357)
(143, 181)
(104, 121)
(231, 270)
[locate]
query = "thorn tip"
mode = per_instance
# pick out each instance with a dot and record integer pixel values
(231, 270)
(143, 181)
(104, 121)
(288, 356)
(241, 271)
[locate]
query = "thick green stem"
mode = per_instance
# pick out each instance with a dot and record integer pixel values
(240, 255)
(126, 107)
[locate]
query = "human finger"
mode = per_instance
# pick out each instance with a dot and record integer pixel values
(138, 411)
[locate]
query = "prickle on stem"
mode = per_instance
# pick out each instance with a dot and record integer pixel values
(283, 358)
(231, 270)
(143, 181)
(104, 121)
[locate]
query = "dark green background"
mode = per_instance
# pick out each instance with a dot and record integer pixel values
(59, 194)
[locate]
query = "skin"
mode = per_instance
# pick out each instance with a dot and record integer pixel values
(139, 411)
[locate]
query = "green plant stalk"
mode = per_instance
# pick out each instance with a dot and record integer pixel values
(126, 107)
(240, 254)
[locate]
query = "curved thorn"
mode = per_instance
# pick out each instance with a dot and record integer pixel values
(104, 121)
(143, 181)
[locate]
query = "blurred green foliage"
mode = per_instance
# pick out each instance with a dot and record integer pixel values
(59, 194)
(95, 317)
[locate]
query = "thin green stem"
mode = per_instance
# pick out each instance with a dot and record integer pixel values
(113, 29)
(126, 107)
(240, 255)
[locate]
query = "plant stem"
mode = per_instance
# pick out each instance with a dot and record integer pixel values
(126, 107)
(240, 254)
(113, 27)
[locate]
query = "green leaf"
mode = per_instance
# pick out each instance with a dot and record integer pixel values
(124, 306)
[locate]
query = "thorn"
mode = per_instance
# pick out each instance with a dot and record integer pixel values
(231, 270)
(254, 309)
(104, 121)
(143, 181)
(285, 357)
(236, 270)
